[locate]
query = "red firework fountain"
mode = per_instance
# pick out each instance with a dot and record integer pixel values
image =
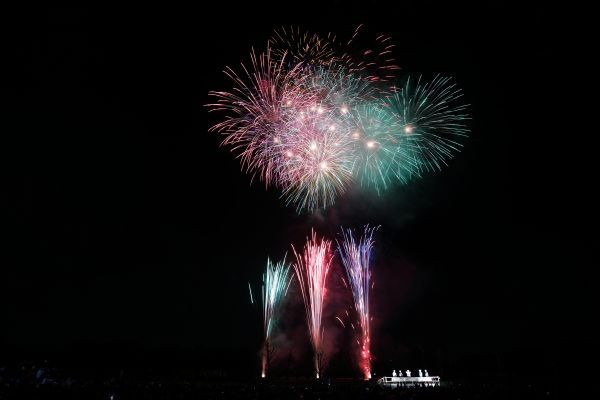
(312, 266)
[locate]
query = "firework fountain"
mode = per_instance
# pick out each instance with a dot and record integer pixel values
(276, 281)
(311, 267)
(355, 256)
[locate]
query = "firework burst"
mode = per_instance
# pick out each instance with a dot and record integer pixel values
(257, 110)
(315, 115)
(382, 152)
(311, 267)
(317, 160)
(318, 166)
(355, 256)
(303, 47)
(370, 55)
(431, 115)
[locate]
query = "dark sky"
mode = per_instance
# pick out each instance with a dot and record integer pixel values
(128, 235)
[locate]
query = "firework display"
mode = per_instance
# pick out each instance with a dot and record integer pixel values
(276, 281)
(314, 115)
(311, 267)
(355, 255)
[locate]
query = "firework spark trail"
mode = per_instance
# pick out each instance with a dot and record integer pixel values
(311, 267)
(374, 61)
(365, 55)
(355, 256)
(276, 281)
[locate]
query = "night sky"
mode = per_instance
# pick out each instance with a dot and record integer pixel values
(129, 236)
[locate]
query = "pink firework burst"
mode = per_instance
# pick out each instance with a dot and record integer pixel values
(257, 111)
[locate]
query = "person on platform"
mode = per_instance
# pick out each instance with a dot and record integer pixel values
(426, 373)
(408, 373)
(394, 373)
(420, 373)
(399, 373)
